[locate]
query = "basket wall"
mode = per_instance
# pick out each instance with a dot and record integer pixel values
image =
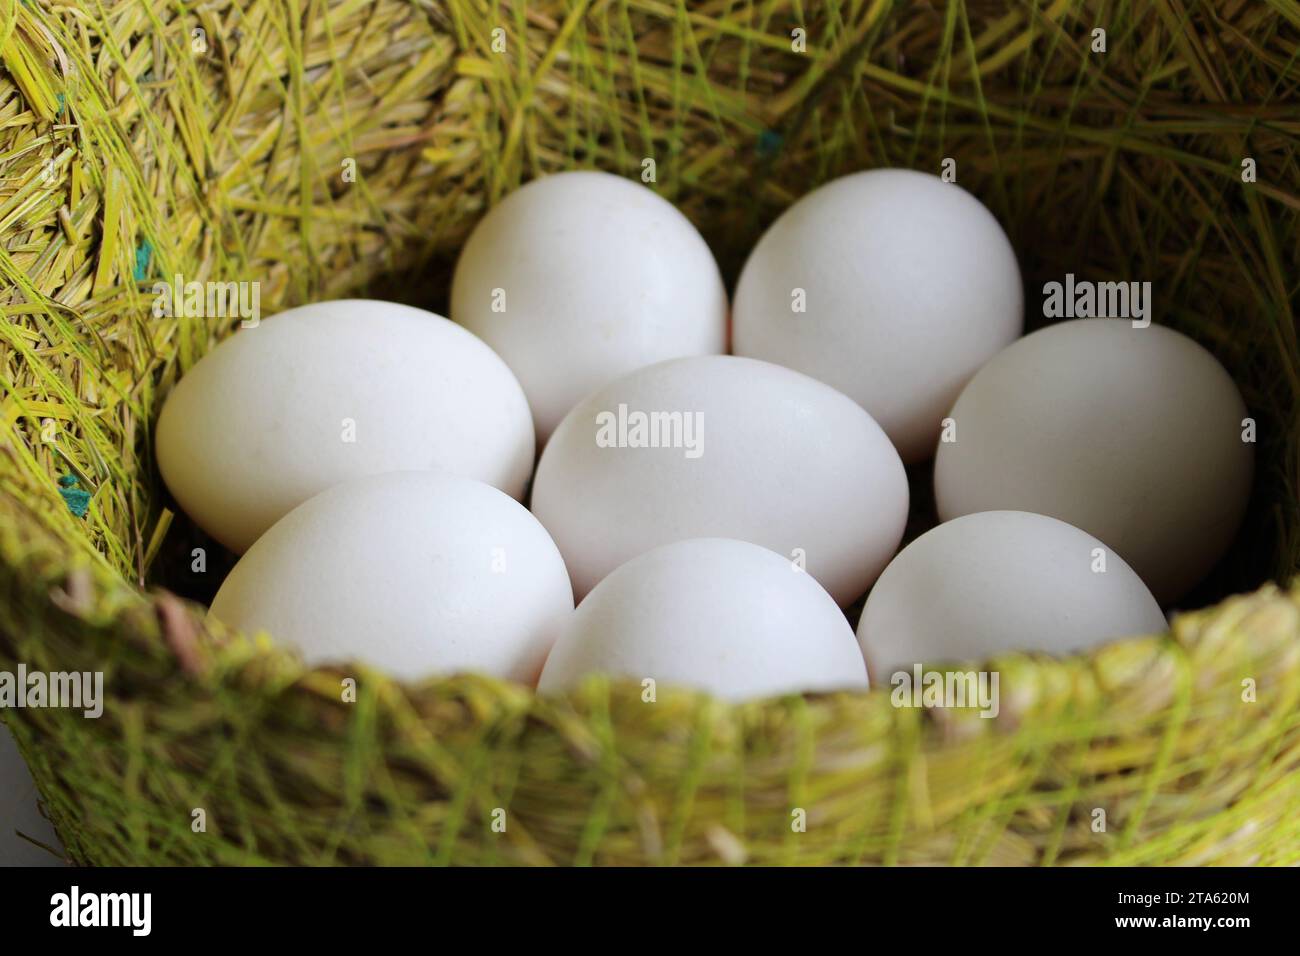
(133, 149)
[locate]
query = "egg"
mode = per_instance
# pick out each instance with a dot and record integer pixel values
(891, 285)
(331, 391)
(414, 573)
(998, 581)
(577, 279)
(20, 812)
(723, 616)
(1134, 434)
(719, 446)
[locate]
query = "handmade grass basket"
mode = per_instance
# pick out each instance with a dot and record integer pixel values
(143, 139)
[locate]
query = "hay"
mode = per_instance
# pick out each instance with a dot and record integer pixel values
(128, 156)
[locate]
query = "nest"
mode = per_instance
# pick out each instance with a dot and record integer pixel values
(348, 148)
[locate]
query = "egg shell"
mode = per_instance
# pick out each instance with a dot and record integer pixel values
(263, 422)
(415, 573)
(999, 581)
(20, 811)
(783, 461)
(718, 615)
(579, 278)
(908, 285)
(1132, 434)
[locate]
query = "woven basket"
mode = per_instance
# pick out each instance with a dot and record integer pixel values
(141, 139)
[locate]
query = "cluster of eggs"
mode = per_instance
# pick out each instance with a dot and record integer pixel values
(711, 513)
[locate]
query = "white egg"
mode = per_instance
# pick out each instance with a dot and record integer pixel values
(415, 573)
(579, 278)
(1000, 581)
(723, 616)
(331, 391)
(1132, 434)
(20, 812)
(890, 285)
(745, 449)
